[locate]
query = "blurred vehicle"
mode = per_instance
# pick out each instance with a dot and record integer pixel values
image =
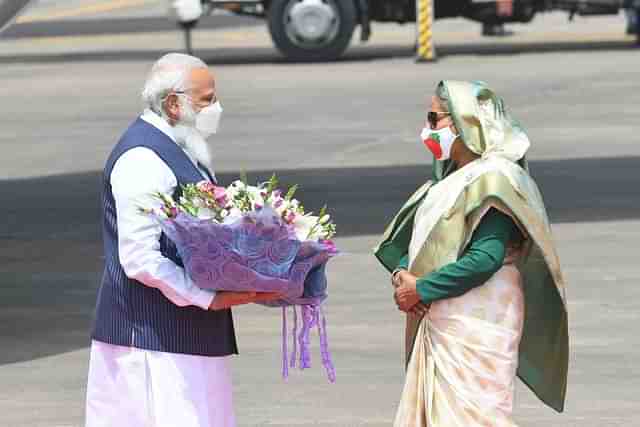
(320, 30)
(9, 10)
(633, 17)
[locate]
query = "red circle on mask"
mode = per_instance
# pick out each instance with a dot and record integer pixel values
(434, 147)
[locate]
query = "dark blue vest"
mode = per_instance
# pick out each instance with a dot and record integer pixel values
(129, 313)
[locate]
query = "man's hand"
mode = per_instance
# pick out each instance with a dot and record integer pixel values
(227, 299)
(406, 295)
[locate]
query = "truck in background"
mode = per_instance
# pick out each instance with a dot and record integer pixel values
(321, 30)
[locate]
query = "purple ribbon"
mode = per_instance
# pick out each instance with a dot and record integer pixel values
(324, 347)
(285, 364)
(312, 316)
(294, 352)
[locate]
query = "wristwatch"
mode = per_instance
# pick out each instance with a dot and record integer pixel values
(396, 271)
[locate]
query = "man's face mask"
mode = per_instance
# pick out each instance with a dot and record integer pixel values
(439, 142)
(207, 120)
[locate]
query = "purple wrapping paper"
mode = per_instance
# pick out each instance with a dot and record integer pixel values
(259, 252)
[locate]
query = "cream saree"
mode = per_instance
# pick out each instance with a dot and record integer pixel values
(463, 366)
(463, 356)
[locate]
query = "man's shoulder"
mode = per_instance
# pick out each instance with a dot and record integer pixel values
(138, 155)
(140, 164)
(136, 148)
(139, 134)
(127, 139)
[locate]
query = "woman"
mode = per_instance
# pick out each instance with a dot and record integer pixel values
(468, 251)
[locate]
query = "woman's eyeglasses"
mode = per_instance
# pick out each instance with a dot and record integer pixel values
(433, 117)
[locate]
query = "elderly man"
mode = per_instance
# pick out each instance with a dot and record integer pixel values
(159, 355)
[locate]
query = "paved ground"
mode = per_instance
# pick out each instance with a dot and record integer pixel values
(347, 132)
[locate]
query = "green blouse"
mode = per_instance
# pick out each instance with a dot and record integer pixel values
(481, 259)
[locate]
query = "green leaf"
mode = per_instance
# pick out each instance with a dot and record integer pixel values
(272, 184)
(291, 193)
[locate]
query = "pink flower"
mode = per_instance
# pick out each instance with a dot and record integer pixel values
(220, 195)
(206, 187)
(331, 247)
(290, 216)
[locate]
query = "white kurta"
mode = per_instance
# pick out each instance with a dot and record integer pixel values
(128, 386)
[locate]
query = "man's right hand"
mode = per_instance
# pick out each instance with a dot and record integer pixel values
(228, 299)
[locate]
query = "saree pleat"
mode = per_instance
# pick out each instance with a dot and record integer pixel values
(463, 366)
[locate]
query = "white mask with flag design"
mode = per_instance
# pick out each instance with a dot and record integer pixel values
(439, 142)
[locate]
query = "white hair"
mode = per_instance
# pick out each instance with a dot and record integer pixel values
(169, 73)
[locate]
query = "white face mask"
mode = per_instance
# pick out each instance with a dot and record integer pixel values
(439, 142)
(205, 121)
(193, 129)
(208, 119)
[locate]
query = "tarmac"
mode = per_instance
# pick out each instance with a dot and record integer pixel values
(347, 132)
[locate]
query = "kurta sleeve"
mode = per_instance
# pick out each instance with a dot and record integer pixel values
(482, 258)
(139, 235)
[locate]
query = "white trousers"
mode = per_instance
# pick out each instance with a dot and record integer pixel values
(140, 388)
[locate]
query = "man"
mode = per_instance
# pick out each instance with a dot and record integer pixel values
(159, 355)
(632, 9)
(495, 27)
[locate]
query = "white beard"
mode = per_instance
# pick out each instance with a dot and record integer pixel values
(199, 148)
(194, 143)
(189, 138)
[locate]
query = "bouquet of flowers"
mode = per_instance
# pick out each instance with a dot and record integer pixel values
(256, 238)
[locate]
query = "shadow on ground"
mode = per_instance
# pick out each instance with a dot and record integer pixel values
(130, 25)
(362, 200)
(269, 55)
(50, 253)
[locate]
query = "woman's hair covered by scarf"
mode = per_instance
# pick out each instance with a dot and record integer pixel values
(483, 122)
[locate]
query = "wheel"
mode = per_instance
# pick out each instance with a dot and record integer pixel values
(636, 21)
(312, 30)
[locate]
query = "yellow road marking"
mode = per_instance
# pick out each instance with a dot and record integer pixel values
(90, 9)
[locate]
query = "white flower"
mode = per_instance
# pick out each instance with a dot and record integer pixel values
(199, 203)
(206, 213)
(238, 184)
(303, 225)
(256, 196)
(231, 192)
(235, 188)
(234, 213)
